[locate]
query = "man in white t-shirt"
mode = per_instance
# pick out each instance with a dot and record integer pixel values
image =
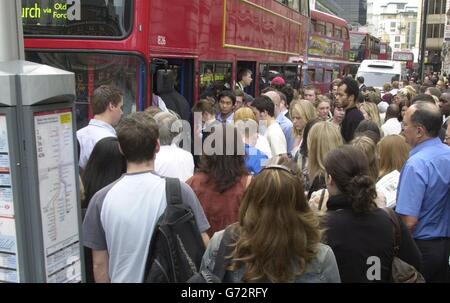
(264, 111)
(107, 104)
(121, 217)
(171, 160)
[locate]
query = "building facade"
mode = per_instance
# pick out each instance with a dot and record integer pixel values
(395, 22)
(435, 27)
(354, 11)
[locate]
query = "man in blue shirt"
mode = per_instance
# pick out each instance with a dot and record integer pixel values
(423, 195)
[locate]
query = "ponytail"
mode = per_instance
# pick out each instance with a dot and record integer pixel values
(362, 193)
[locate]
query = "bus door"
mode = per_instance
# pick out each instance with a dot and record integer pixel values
(173, 81)
(251, 65)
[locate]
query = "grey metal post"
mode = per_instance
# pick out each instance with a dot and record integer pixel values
(423, 38)
(11, 33)
(40, 216)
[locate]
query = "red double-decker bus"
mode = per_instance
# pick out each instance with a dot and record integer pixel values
(405, 56)
(328, 50)
(131, 44)
(363, 46)
(385, 51)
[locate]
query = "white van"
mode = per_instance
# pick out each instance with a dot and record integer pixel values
(378, 72)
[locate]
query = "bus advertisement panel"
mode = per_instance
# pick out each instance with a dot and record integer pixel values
(328, 50)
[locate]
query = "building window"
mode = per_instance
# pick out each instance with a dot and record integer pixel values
(431, 5)
(397, 38)
(393, 24)
(429, 30)
(401, 6)
(435, 31)
(440, 7)
(436, 7)
(397, 46)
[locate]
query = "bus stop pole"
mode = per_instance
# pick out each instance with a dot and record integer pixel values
(423, 38)
(11, 33)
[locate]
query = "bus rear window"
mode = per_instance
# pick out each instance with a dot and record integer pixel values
(96, 18)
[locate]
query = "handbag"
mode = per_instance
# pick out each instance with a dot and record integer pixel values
(401, 271)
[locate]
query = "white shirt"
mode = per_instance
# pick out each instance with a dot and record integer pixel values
(174, 162)
(121, 219)
(89, 136)
(263, 145)
(276, 139)
(391, 127)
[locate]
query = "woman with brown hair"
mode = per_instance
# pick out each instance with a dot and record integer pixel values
(278, 236)
(359, 232)
(222, 177)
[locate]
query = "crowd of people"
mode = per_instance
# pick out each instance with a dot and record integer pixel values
(305, 176)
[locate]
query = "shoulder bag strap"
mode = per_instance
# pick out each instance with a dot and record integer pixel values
(397, 236)
(322, 197)
(173, 191)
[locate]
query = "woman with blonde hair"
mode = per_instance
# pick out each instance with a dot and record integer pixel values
(323, 107)
(323, 138)
(393, 151)
(278, 238)
(244, 114)
(369, 148)
(370, 112)
(301, 113)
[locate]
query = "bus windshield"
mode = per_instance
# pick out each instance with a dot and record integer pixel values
(376, 79)
(91, 70)
(357, 41)
(98, 18)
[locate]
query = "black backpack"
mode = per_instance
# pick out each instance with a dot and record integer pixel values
(176, 248)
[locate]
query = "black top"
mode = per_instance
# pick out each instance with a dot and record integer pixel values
(354, 238)
(351, 121)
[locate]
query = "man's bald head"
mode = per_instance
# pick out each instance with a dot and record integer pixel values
(276, 100)
(428, 115)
